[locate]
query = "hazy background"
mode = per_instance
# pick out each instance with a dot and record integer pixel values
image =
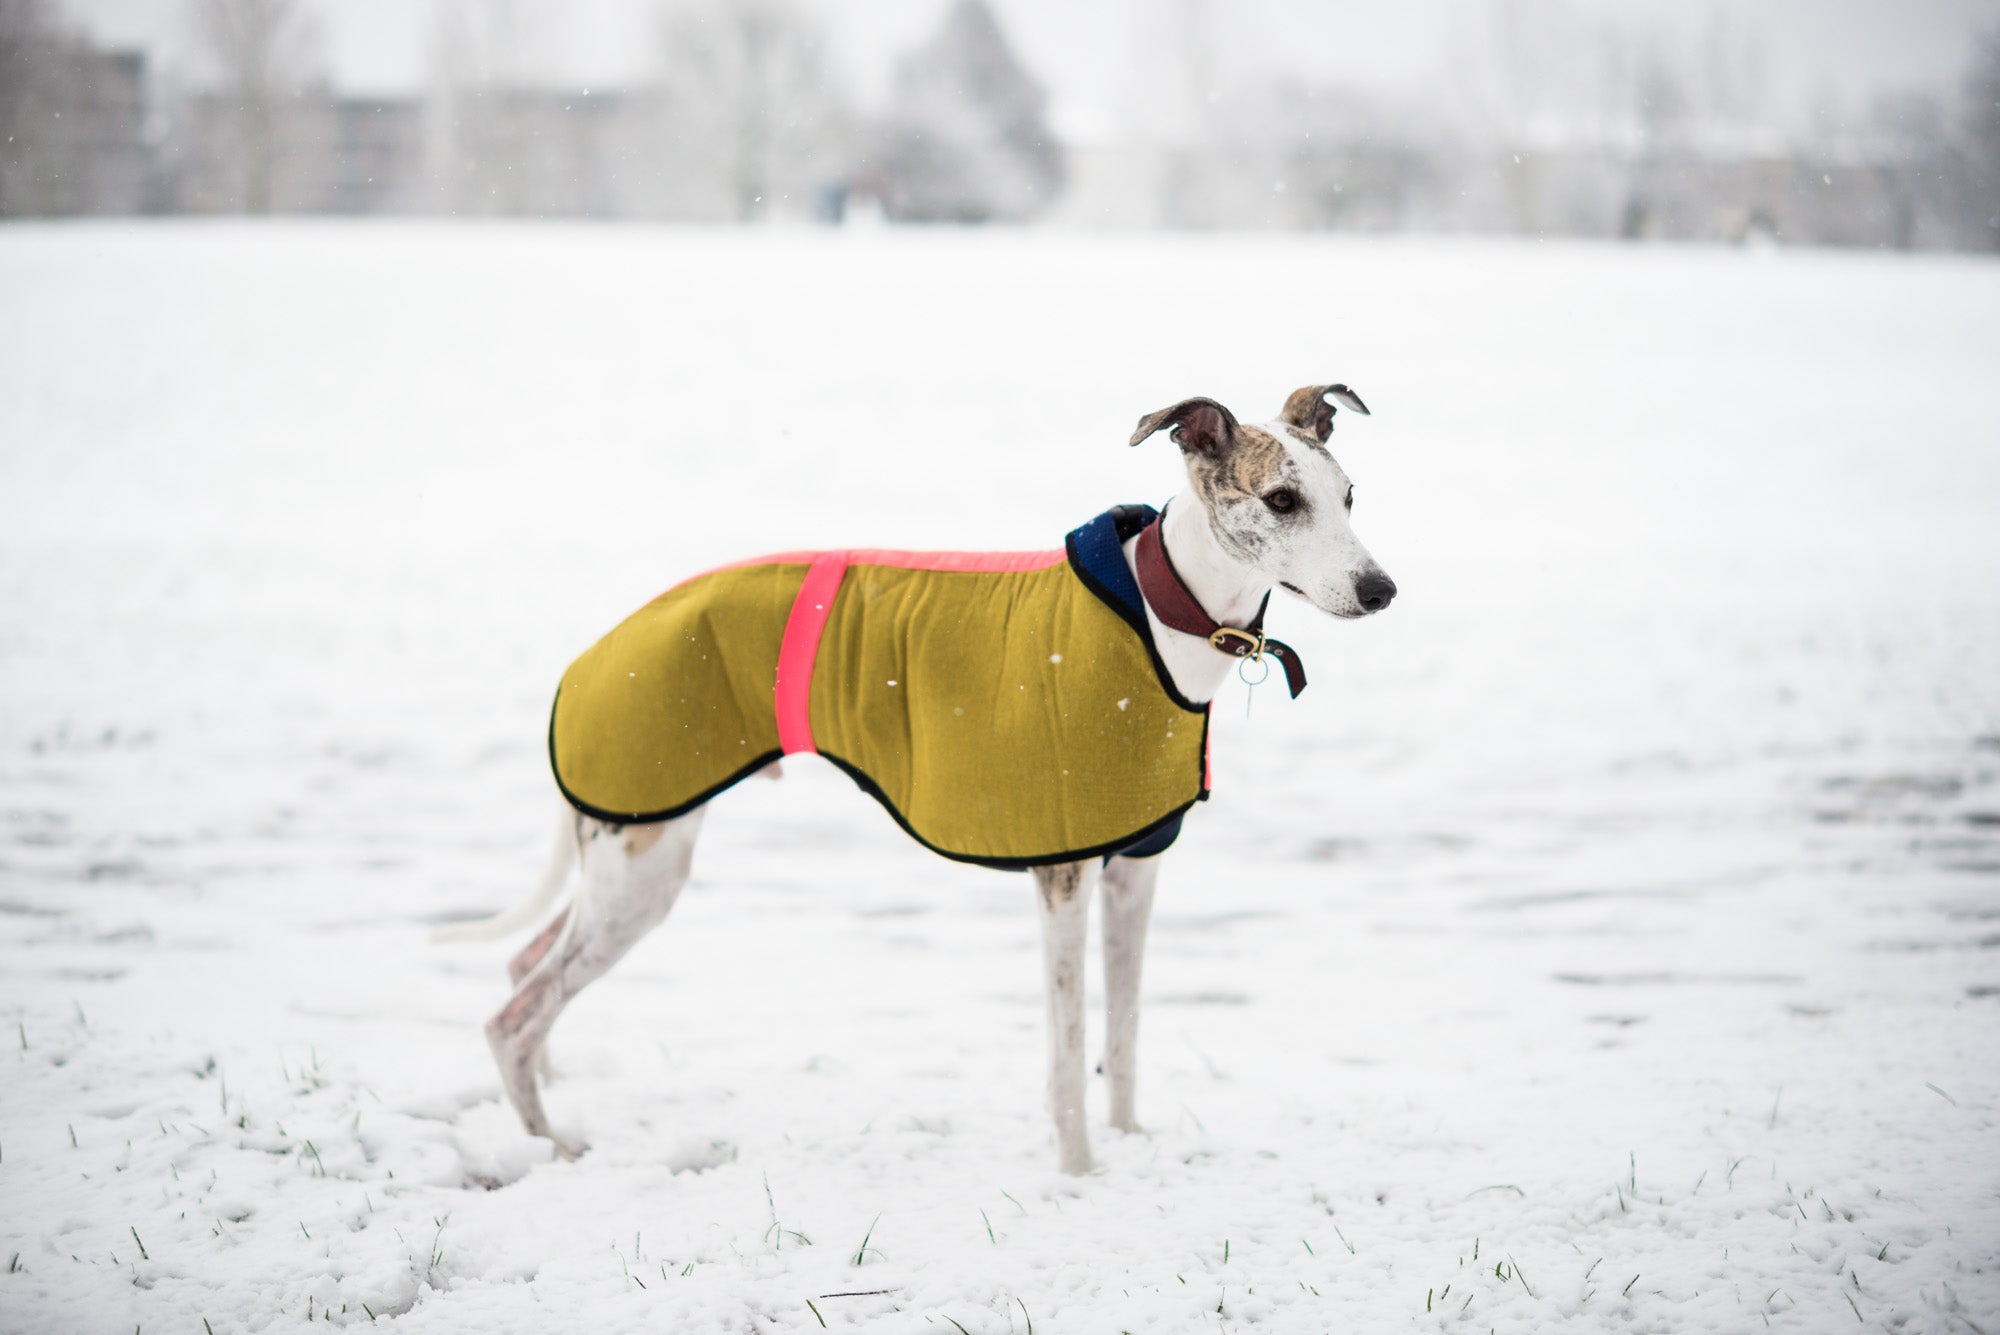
(1833, 123)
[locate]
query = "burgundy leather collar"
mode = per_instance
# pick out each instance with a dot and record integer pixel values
(1179, 609)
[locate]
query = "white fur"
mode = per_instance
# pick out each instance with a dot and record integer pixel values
(1064, 891)
(1128, 904)
(631, 875)
(1320, 556)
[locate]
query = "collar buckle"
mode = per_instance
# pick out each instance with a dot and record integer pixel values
(1237, 643)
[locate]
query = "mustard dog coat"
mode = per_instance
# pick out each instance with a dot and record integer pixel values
(1008, 708)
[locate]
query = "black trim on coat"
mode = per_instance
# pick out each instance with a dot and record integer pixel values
(645, 817)
(1133, 617)
(868, 786)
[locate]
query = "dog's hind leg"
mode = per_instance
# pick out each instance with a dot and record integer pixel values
(531, 954)
(1128, 903)
(524, 962)
(1065, 912)
(631, 877)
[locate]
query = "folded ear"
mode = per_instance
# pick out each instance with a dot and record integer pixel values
(1201, 426)
(1308, 409)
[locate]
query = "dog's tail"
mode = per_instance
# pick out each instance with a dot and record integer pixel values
(561, 858)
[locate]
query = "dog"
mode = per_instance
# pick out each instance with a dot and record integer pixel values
(1070, 741)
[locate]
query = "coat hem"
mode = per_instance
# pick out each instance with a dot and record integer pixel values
(874, 790)
(646, 817)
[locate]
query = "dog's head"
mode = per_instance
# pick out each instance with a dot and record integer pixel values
(1275, 498)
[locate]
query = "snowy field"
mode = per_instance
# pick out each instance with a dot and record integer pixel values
(1608, 940)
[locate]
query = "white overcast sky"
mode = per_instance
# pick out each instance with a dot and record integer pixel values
(1104, 59)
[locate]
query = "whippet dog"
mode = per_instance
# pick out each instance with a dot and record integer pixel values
(1267, 507)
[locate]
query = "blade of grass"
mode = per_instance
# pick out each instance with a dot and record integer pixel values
(861, 1252)
(1497, 1186)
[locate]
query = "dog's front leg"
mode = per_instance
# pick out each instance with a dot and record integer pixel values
(1128, 903)
(1065, 906)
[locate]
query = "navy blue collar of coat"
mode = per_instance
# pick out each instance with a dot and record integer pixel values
(1097, 552)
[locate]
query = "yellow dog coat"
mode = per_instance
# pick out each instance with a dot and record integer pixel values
(1008, 708)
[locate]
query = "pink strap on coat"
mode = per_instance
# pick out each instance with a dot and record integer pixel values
(801, 646)
(807, 621)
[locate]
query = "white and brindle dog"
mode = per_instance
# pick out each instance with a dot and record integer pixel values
(1271, 509)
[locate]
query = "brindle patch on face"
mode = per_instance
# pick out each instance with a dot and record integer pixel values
(1258, 461)
(1232, 490)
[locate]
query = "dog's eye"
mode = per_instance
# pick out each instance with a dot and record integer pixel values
(1282, 500)
(1350, 498)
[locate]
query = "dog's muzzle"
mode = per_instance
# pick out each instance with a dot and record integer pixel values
(1374, 591)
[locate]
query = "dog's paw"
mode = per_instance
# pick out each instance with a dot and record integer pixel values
(1074, 1160)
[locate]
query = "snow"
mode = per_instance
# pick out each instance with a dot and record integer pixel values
(1606, 939)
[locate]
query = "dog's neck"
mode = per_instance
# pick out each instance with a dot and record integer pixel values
(1227, 590)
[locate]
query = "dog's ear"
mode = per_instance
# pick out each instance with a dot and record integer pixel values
(1308, 409)
(1201, 426)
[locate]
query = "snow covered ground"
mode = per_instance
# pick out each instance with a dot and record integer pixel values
(1608, 940)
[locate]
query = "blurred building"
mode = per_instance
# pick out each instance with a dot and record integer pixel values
(317, 153)
(740, 119)
(77, 132)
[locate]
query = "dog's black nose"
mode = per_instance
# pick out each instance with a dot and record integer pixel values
(1374, 590)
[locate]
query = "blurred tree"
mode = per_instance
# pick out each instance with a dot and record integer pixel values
(261, 51)
(752, 118)
(1981, 173)
(477, 136)
(1911, 204)
(968, 138)
(1663, 199)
